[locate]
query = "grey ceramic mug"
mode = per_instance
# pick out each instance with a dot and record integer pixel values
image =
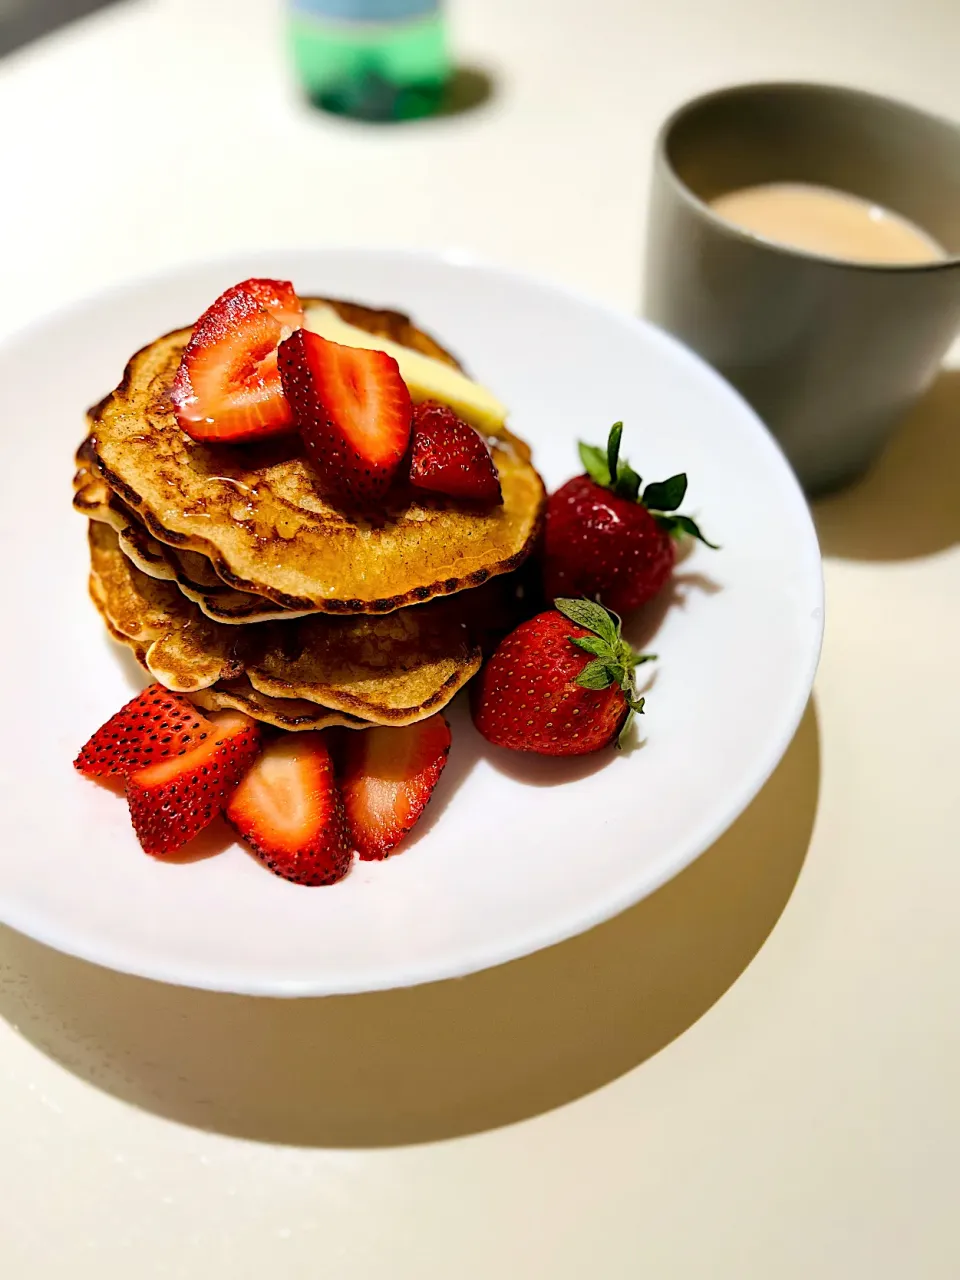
(830, 353)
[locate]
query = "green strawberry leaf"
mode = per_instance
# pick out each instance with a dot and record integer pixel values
(596, 675)
(613, 452)
(595, 463)
(665, 495)
(638, 659)
(593, 616)
(679, 525)
(592, 644)
(628, 482)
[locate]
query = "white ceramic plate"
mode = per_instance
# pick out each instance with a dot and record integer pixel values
(515, 852)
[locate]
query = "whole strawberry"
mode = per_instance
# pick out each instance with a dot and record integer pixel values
(561, 684)
(606, 540)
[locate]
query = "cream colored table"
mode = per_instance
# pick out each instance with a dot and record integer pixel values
(752, 1074)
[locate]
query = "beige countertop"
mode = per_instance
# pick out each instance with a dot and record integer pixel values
(753, 1074)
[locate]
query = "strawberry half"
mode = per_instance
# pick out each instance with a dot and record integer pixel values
(289, 811)
(352, 410)
(389, 775)
(227, 386)
(155, 725)
(449, 456)
(172, 801)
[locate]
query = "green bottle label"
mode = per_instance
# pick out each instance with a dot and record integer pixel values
(366, 10)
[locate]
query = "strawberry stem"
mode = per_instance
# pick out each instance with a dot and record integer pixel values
(613, 450)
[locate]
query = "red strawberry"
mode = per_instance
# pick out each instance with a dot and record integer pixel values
(606, 541)
(540, 692)
(172, 801)
(352, 410)
(289, 811)
(388, 777)
(227, 386)
(449, 456)
(153, 726)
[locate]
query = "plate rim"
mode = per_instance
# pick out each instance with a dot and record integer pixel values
(489, 955)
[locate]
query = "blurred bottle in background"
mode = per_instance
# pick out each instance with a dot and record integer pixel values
(371, 59)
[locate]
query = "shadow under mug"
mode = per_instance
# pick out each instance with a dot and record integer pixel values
(830, 353)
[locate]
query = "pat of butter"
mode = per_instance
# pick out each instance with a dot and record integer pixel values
(426, 378)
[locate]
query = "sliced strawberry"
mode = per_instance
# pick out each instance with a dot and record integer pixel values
(153, 726)
(227, 386)
(172, 801)
(352, 410)
(289, 811)
(389, 775)
(449, 456)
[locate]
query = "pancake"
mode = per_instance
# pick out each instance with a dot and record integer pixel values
(283, 713)
(257, 513)
(386, 670)
(192, 572)
(181, 648)
(294, 714)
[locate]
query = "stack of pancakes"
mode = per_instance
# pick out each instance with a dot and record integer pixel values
(235, 579)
